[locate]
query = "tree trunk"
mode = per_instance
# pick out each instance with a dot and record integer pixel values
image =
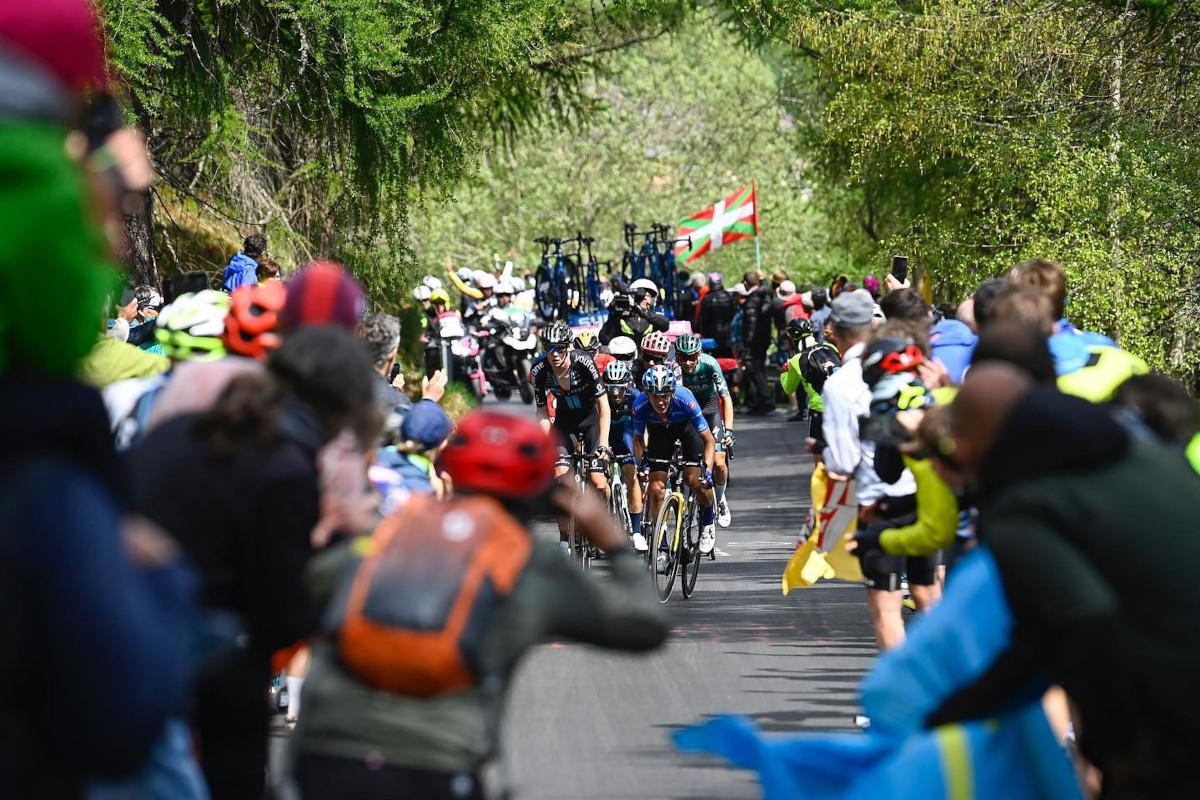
(139, 246)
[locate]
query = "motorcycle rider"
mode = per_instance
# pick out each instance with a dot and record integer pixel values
(622, 394)
(503, 320)
(632, 313)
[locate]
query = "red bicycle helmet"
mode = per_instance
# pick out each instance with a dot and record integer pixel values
(251, 327)
(656, 344)
(500, 454)
(889, 356)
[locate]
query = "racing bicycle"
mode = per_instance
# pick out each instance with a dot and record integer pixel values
(676, 533)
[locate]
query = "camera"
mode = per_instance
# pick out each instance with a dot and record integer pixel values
(621, 304)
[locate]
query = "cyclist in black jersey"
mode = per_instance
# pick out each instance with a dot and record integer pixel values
(581, 411)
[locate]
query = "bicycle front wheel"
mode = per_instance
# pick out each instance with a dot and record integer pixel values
(689, 547)
(667, 531)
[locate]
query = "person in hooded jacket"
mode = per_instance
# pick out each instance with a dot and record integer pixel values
(237, 486)
(756, 334)
(1058, 481)
(715, 315)
(243, 267)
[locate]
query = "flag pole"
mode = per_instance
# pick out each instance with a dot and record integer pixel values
(757, 249)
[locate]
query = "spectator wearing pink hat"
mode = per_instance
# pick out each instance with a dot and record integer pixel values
(323, 293)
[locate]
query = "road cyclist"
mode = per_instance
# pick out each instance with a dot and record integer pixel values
(702, 376)
(622, 396)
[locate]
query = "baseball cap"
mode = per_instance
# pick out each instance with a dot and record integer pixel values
(426, 424)
(852, 310)
(323, 294)
(786, 289)
(740, 289)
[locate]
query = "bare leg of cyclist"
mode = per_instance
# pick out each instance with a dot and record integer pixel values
(658, 490)
(926, 597)
(600, 482)
(706, 499)
(720, 480)
(563, 475)
(886, 617)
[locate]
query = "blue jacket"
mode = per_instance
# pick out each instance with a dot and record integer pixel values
(242, 270)
(952, 343)
(1072, 349)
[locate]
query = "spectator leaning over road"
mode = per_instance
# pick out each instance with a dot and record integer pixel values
(717, 310)
(380, 335)
(1058, 481)
(237, 486)
(419, 719)
(243, 267)
(403, 465)
(756, 336)
(846, 398)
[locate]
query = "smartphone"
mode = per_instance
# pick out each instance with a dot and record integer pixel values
(900, 268)
(183, 283)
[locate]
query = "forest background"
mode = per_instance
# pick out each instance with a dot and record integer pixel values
(968, 134)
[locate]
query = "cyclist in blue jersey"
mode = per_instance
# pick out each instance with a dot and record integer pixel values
(622, 396)
(702, 376)
(668, 413)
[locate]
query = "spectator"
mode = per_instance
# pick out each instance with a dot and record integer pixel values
(1058, 481)
(243, 267)
(905, 304)
(1014, 342)
(756, 335)
(237, 486)
(323, 294)
(983, 298)
(951, 343)
(871, 284)
(1162, 405)
(820, 313)
(717, 310)
(403, 466)
(689, 295)
(268, 270)
(380, 335)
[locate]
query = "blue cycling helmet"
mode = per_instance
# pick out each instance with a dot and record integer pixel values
(617, 374)
(659, 379)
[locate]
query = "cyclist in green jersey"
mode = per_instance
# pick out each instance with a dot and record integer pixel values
(702, 376)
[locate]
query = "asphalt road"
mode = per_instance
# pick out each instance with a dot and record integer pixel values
(583, 723)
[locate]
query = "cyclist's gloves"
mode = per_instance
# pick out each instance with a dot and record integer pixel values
(708, 479)
(727, 440)
(604, 452)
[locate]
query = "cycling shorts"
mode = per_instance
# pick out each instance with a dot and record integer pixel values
(884, 572)
(585, 430)
(661, 445)
(620, 439)
(716, 424)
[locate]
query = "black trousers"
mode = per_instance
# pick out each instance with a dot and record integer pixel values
(758, 396)
(331, 778)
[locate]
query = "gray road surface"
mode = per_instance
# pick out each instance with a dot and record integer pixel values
(587, 724)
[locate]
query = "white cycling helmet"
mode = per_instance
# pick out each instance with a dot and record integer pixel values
(623, 348)
(646, 284)
(518, 283)
(433, 283)
(463, 274)
(485, 281)
(422, 293)
(504, 287)
(479, 275)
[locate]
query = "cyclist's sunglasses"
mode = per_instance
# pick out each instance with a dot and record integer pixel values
(688, 357)
(557, 348)
(654, 358)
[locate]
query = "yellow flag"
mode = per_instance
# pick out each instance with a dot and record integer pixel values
(819, 554)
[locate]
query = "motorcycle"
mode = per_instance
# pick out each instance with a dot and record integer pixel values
(455, 350)
(507, 356)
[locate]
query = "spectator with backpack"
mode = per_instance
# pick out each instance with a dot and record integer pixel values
(410, 707)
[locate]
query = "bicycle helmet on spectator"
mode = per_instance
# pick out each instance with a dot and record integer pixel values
(617, 374)
(323, 293)
(889, 356)
(656, 343)
(433, 283)
(463, 274)
(504, 287)
(440, 296)
(558, 334)
(251, 329)
(587, 342)
(500, 454)
(190, 328)
(477, 276)
(422, 293)
(689, 344)
(486, 281)
(659, 379)
(623, 348)
(798, 329)
(904, 391)
(518, 283)
(715, 280)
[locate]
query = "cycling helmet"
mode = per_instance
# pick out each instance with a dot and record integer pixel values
(440, 296)
(191, 327)
(558, 334)
(889, 356)
(587, 341)
(689, 344)
(644, 285)
(478, 276)
(504, 287)
(486, 281)
(433, 283)
(463, 274)
(623, 348)
(656, 344)
(904, 391)
(422, 293)
(251, 329)
(659, 379)
(715, 279)
(500, 454)
(798, 329)
(617, 374)
(518, 283)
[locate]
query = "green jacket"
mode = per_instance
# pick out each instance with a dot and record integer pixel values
(937, 515)
(110, 361)
(1093, 531)
(344, 717)
(791, 380)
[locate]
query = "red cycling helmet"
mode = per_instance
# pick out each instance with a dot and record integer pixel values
(889, 356)
(656, 344)
(251, 328)
(500, 454)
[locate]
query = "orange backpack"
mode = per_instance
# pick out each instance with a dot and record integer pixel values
(420, 604)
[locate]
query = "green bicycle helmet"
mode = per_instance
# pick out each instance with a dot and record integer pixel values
(190, 328)
(689, 344)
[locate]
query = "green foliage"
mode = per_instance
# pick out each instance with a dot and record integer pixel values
(683, 121)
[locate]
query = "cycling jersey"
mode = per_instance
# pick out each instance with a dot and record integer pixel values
(620, 432)
(578, 400)
(683, 408)
(707, 383)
